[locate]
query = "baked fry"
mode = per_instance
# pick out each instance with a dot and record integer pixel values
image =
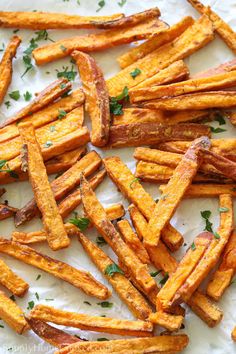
(222, 164)
(98, 41)
(6, 65)
(97, 98)
(32, 160)
(207, 190)
(194, 38)
(80, 279)
(175, 189)
(166, 320)
(97, 215)
(7, 211)
(11, 281)
(92, 323)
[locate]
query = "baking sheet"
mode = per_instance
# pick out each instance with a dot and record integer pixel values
(187, 219)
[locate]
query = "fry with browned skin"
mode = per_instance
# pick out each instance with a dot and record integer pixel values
(97, 215)
(152, 44)
(6, 65)
(166, 320)
(11, 281)
(97, 98)
(98, 41)
(220, 26)
(32, 160)
(92, 323)
(222, 164)
(233, 334)
(6, 211)
(194, 38)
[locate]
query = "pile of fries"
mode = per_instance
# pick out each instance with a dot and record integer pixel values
(156, 106)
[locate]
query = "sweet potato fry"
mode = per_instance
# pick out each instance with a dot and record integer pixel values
(12, 314)
(56, 234)
(92, 323)
(194, 38)
(175, 189)
(158, 345)
(45, 115)
(207, 190)
(97, 98)
(80, 279)
(222, 164)
(6, 211)
(133, 241)
(62, 185)
(233, 334)
(133, 191)
(45, 97)
(166, 320)
(137, 134)
(201, 100)
(6, 65)
(97, 215)
(11, 281)
(52, 335)
(220, 26)
(98, 41)
(127, 292)
(154, 43)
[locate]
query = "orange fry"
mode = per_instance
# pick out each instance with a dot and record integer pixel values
(12, 281)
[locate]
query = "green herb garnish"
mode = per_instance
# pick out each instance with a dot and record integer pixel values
(206, 215)
(193, 246)
(164, 279)
(112, 269)
(27, 96)
(135, 73)
(101, 4)
(116, 103)
(105, 304)
(81, 223)
(15, 95)
(68, 74)
(100, 241)
(154, 274)
(30, 305)
(223, 210)
(136, 179)
(62, 113)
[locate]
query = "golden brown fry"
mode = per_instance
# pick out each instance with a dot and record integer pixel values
(6, 65)
(97, 98)
(207, 190)
(97, 215)
(62, 185)
(92, 323)
(194, 38)
(154, 43)
(175, 189)
(12, 281)
(45, 97)
(233, 334)
(166, 320)
(32, 160)
(220, 26)
(80, 279)
(98, 41)
(7, 211)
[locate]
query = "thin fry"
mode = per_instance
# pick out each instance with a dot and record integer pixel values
(11, 281)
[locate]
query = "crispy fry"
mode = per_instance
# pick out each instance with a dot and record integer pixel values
(12, 281)
(62, 185)
(201, 100)
(194, 38)
(133, 191)
(137, 134)
(222, 68)
(45, 97)
(56, 234)
(133, 241)
(233, 334)
(6, 65)
(97, 98)
(207, 190)
(166, 320)
(97, 215)
(224, 165)
(98, 41)
(127, 292)
(154, 43)
(220, 26)
(7, 211)
(92, 323)
(80, 279)
(12, 314)
(175, 189)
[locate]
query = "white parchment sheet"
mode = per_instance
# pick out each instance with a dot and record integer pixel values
(187, 219)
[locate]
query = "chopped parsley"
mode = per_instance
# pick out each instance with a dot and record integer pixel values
(30, 305)
(62, 113)
(7, 104)
(154, 274)
(220, 118)
(101, 4)
(122, 3)
(102, 339)
(27, 96)
(87, 303)
(206, 215)
(135, 73)
(81, 223)
(223, 210)
(37, 296)
(1, 326)
(193, 246)
(68, 74)
(217, 130)
(38, 276)
(112, 269)
(28, 64)
(15, 95)
(3, 163)
(216, 235)
(105, 304)
(100, 241)
(136, 179)
(116, 103)
(164, 279)
(63, 48)
(43, 35)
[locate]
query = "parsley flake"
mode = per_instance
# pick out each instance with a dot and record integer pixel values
(216, 235)
(38, 276)
(87, 303)
(154, 274)
(101, 4)
(113, 268)
(37, 296)
(122, 3)
(135, 73)
(68, 74)
(62, 113)
(206, 215)
(223, 210)
(81, 223)
(116, 103)
(27, 96)
(102, 339)
(220, 118)
(164, 279)
(193, 246)
(7, 104)
(15, 95)
(217, 130)
(100, 241)
(136, 179)
(30, 305)
(105, 304)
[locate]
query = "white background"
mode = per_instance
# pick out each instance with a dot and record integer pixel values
(187, 218)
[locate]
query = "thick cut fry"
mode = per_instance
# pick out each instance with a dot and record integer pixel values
(207, 190)
(56, 234)
(92, 323)
(62, 185)
(127, 292)
(12, 281)
(166, 320)
(97, 215)
(6, 65)
(137, 134)
(194, 38)
(220, 26)
(224, 165)
(80, 279)
(7, 211)
(219, 81)
(201, 100)
(97, 41)
(152, 44)
(233, 334)
(45, 115)
(133, 191)
(97, 98)
(133, 241)
(222, 68)
(12, 314)
(175, 189)
(45, 97)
